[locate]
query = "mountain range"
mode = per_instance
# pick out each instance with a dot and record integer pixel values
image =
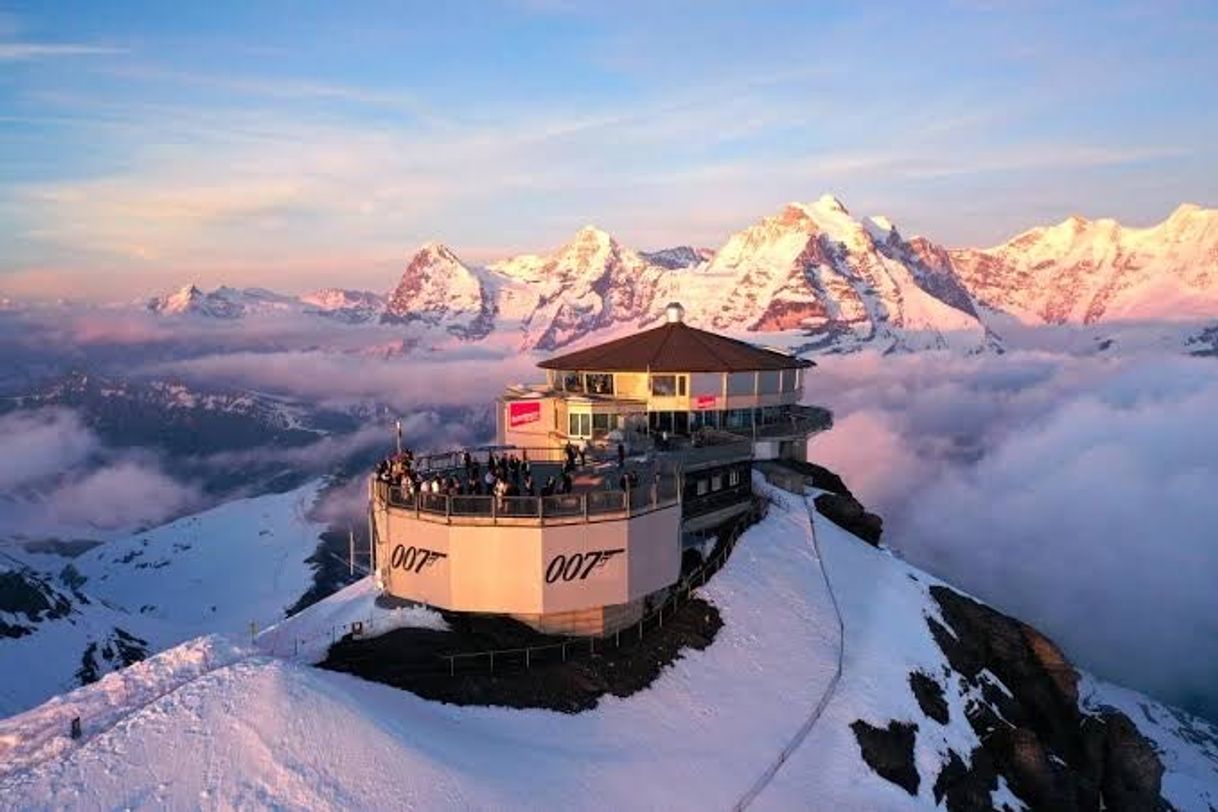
(810, 276)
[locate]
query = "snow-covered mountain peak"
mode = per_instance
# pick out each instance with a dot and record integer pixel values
(1085, 271)
(438, 289)
(830, 203)
(880, 228)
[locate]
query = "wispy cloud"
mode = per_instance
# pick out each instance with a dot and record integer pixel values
(18, 51)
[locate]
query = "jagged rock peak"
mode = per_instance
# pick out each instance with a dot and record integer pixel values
(435, 249)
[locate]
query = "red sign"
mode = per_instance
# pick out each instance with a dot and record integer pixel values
(521, 413)
(705, 401)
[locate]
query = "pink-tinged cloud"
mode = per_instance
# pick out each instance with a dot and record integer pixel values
(1077, 494)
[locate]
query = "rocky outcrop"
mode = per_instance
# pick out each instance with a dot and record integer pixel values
(1033, 733)
(24, 595)
(848, 513)
(118, 649)
(890, 751)
(929, 693)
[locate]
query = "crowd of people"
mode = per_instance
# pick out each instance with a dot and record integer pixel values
(503, 475)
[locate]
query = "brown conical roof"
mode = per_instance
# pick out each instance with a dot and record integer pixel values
(674, 347)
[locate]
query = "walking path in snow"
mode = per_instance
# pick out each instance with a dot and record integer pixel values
(804, 729)
(270, 732)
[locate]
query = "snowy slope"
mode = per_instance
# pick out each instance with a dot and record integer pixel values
(1084, 271)
(215, 571)
(221, 570)
(885, 604)
(211, 724)
(264, 732)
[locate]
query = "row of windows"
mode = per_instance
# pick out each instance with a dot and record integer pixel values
(768, 382)
(715, 482)
(592, 425)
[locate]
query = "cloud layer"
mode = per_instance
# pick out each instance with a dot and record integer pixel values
(1077, 494)
(59, 480)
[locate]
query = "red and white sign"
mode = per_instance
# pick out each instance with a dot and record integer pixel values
(521, 413)
(705, 401)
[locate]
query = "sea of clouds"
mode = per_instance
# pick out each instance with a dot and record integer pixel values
(1076, 492)
(1079, 494)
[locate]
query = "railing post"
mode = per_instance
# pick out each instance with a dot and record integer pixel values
(448, 509)
(494, 510)
(584, 499)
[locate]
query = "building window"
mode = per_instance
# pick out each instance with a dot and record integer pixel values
(717, 482)
(663, 386)
(598, 383)
(703, 487)
(580, 425)
(741, 383)
(572, 382)
(681, 385)
(601, 423)
(733, 478)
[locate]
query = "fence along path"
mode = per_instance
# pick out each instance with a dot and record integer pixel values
(808, 723)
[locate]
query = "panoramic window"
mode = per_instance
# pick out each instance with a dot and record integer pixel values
(598, 383)
(572, 382)
(663, 386)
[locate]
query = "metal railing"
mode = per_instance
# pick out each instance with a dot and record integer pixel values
(557, 509)
(679, 594)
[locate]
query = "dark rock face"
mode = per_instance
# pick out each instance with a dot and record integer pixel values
(929, 693)
(889, 751)
(819, 477)
(849, 514)
(23, 593)
(119, 650)
(967, 787)
(1052, 755)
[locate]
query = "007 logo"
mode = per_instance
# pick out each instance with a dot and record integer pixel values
(413, 559)
(578, 565)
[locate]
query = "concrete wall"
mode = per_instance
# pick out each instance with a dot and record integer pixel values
(525, 568)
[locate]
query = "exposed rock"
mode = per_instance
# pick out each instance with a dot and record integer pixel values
(929, 694)
(967, 787)
(118, 650)
(849, 514)
(23, 593)
(819, 477)
(890, 751)
(1052, 755)
(1132, 772)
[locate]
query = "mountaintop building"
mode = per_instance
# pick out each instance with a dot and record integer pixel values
(673, 380)
(645, 444)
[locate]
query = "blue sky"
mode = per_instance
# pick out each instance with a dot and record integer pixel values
(293, 144)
